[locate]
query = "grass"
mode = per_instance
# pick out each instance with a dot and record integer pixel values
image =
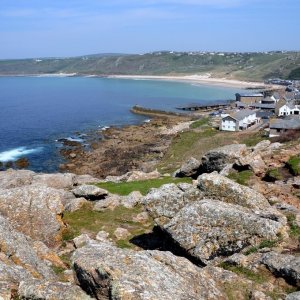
(263, 244)
(294, 228)
(125, 188)
(294, 165)
(273, 175)
(199, 123)
(242, 271)
(85, 220)
(253, 139)
(242, 177)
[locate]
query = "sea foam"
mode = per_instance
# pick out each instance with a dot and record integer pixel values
(14, 154)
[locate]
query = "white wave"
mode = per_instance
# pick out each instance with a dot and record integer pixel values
(147, 121)
(14, 154)
(104, 128)
(74, 139)
(56, 75)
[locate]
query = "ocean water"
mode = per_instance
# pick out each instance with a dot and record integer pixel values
(35, 112)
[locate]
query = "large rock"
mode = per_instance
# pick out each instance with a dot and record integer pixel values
(210, 228)
(217, 159)
(90, 192)
(18, 254)
(293, 296)
(163, 203)
(12, 178)
(189, 169)
(85, 179)
(283, 265)
(57, 181)
(35, 211)
(46, 290)
(131, 200)
(219, 187)
(139, 175)
(254, 162)
(105, 271)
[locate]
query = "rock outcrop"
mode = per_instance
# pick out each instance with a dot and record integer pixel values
(34, 211)
(47, 290)
(105, 271)
(189, 169)
(283, 265)
(90, 192)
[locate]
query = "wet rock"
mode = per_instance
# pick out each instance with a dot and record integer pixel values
(22, 163)
(121, 233)
(45, 290)
(218, 159)
(90, 192)
(57, 181)
(133, 199)
(12, 178)
(283, 265)
(165, 202)
(189, 169)
(103, 271)
(34, 211)
(18, 255)
(210, 228)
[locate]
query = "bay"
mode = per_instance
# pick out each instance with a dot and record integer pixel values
(38, 111)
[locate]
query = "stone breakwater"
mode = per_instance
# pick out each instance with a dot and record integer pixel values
(224, 240)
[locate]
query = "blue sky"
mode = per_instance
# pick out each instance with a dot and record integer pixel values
(39, 28)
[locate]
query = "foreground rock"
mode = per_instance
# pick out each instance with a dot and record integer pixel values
(286, 266)
(106, 272)
(34, 211)
(18, 259)
(164, 203)
(210, 228)
(36, 289)
(90, 192)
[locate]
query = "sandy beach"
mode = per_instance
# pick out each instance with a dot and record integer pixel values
(201, 79)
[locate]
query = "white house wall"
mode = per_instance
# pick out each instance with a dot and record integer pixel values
(228, 125)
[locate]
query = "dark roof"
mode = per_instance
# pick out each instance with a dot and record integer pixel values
(256, 105)
(292, 123)
(249, 95)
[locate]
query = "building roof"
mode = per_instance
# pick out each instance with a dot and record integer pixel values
(291, 123)
(256, 105)
(269, 99)
(240, 115)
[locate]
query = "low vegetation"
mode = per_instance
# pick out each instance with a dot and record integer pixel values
(294, 165)
(143, 186)
(294, 228)
(86, 220)
(242, 177)
(263, 244)
(199, 123)
(273, 174)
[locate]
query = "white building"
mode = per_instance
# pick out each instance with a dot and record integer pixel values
(289, 109)
(239, 120)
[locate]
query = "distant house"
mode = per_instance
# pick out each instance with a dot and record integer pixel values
(239, 120)
(288, 109)
(249, 98)
(278, 126)
(262, 106)
(269, 100)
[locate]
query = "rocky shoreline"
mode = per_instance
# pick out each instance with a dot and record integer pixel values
(116, 151)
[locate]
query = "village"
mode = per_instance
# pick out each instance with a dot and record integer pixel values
(275, 110)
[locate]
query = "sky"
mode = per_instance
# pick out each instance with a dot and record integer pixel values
(62, 28)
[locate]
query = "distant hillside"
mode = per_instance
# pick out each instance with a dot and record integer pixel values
(244, 66)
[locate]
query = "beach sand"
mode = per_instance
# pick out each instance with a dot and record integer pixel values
(201, 79)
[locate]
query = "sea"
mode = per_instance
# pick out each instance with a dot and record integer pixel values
(37, 112)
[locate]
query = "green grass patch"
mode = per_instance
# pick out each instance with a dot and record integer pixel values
(273, 175)
(253, 139)
(263, 244)
(199, 123)
(85, 220)
(294, 165)
(294, 228)
(125, 188)
(58, 270)
(256, 277)
(242, 177)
